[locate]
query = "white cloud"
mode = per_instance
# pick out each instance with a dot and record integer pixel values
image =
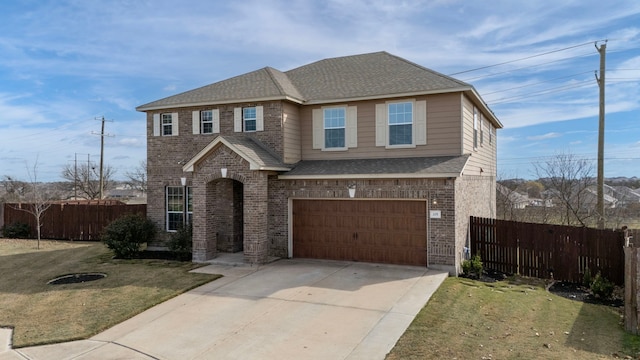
(546, 136)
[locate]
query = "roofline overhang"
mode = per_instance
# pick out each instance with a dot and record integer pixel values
(143, 108)
(190, 165)
(370, 176)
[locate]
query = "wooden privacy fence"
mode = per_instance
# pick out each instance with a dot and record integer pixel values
(72, 221)
(543, 251)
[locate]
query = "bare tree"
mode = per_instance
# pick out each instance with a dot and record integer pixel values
(14, 189)
(568, 178)
(137, 179)
(34, 197)
(85, 179)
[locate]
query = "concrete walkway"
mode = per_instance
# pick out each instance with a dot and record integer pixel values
(289, 309)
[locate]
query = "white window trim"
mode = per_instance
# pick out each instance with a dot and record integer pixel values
(166, 207)
(418, 124)
(196, 122)
(350, 128)
(238, 119)
(158, 125)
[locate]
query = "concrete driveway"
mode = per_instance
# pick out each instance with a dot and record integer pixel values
(289, 309)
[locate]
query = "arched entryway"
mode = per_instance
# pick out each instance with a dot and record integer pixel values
(226, 212)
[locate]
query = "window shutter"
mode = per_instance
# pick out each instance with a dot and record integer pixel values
(259, 118)
(352, 127)
(215, 116)
(237, 119)
(421, 123)
(381, 124)
(195, 121)
(318, 128)
(156, 124)
(174, 124)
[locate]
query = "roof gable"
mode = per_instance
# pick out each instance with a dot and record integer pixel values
(258, 157)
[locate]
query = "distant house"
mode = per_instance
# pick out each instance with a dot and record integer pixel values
(362, 158)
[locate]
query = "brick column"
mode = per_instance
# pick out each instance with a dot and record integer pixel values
(256, 197)
(204, 232)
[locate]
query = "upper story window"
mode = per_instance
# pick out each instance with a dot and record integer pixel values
(249, 119)
(334, 127)
(165, 124)
(475, 128)
(206, 122)
(400, 123)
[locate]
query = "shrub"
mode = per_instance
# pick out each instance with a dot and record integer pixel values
(181, 241)
(125, 235)
(17, 230)
(601, 287)
(473, 267)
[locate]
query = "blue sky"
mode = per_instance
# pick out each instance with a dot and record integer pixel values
(63, 64)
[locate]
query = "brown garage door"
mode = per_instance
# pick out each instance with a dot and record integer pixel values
(380, 231)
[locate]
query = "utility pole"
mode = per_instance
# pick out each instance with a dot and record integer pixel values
(102, 135)
(600, 205)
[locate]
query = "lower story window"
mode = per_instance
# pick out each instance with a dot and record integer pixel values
(179, 207)
(175, 207)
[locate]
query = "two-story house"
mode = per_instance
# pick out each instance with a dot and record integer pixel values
(363, 158)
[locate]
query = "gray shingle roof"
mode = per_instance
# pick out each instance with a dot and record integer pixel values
(441, 166)
(367, 75)
(351, 77)
(259, 84)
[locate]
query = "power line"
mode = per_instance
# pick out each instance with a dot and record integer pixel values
(527, 67)
(526, 58)
(538, 83)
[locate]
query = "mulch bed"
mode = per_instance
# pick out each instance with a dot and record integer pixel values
(579, 292)
(565, 289)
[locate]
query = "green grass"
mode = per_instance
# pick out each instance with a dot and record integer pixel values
(514, 319)
(42, 313)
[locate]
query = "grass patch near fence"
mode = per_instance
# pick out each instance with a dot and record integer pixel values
(42, 313)
(512, 319)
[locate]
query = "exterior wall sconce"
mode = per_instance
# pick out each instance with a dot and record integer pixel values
(223, 172)
(183, 181)
(352, 190)
(434, 201)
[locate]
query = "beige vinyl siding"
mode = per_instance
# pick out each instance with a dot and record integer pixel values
(443, 131)
(291, 133)
(483, 158)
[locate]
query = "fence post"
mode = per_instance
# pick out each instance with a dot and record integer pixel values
(631, 289)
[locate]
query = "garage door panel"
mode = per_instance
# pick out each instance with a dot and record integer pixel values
(381, 231)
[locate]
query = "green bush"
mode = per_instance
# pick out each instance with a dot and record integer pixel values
(17, 230)
(125, 235)
(473, 267)
(181, 242)
(601, 287)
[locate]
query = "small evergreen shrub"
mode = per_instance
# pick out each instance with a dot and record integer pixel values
(601, 287)
(180, 242)
(17, 230)
(472, 267)
(125, 235)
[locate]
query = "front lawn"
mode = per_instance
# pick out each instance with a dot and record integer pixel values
(42, 313)
(513, 319)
